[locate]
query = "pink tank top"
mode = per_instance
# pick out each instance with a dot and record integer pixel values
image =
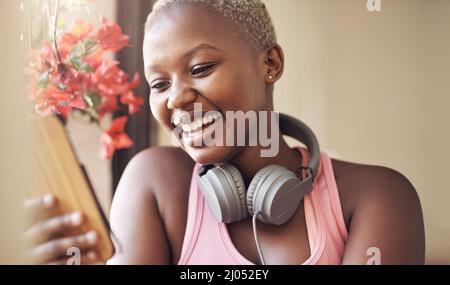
(207, 242)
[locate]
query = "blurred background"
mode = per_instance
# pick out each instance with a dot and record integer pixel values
(373, 85)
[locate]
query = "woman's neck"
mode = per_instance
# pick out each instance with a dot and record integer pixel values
(250, 161)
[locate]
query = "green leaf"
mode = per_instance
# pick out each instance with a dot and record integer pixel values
(94, 120)
(43, 80)
(89, 44)
(61, 24)
(76, 61)
(92, 99)
(85, 67)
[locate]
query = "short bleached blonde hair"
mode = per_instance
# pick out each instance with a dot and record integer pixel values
(249, 16)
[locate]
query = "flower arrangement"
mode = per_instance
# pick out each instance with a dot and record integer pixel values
(74, 71)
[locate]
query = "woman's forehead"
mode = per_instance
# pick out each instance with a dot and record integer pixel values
(250, 17)
(190, 22)
(177, 30)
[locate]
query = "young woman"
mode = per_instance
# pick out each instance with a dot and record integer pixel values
(224, 56)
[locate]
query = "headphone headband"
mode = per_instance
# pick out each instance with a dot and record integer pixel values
(298, 130)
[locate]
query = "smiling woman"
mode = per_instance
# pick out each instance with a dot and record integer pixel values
(228, 62)
(224, 56)
(370, 81)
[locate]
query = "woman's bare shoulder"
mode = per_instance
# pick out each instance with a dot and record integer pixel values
(381, 209)
(160, 160)
(166, 171)
(358, 183)
(154, 190)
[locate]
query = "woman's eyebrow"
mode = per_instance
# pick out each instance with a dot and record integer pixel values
(189, 54)
(193, 51)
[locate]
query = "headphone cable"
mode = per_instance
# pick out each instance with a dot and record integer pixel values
(261, 256)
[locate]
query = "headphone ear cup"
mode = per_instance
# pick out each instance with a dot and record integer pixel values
(239, 183)
(251, 192)
(276, 192)
(224, 191)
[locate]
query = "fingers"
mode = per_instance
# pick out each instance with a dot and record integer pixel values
(39, 207)
(90, 258)
(45, 230)
(57, 249)
(40, 203)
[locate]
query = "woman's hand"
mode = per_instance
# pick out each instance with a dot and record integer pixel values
(51, 234)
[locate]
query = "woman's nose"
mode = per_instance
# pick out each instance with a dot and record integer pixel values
(180, 98)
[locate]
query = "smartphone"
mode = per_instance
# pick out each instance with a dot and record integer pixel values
(54, 169)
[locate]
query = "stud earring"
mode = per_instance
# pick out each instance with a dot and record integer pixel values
(270, 77)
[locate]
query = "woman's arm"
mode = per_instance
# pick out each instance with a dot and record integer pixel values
(387, 223)
(135, 218)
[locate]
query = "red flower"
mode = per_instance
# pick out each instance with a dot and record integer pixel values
(81, 76)
(95, 59)
(110, 37)
(78, 32)
(114, 138)
(43, 60)
(108, 105)
(134, 102)
(110, 79)
(53, 100)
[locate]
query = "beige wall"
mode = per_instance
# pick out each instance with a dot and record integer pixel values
(375, 89)
(12, 129)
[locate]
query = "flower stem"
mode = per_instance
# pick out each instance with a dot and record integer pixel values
(55, 27)
(89, 50)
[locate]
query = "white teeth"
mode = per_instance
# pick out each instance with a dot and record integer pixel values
(198, 124)
(186, 128)
(177, 121)
(208, 119)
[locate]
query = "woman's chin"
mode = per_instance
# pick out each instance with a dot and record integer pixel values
(212, 154)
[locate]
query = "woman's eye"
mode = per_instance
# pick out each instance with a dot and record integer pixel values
(201, 69)
(160, 85)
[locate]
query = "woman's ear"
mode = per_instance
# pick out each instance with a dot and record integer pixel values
(273, 63)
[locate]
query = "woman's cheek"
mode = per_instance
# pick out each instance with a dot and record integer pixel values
(223, 90)
(159, 111)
